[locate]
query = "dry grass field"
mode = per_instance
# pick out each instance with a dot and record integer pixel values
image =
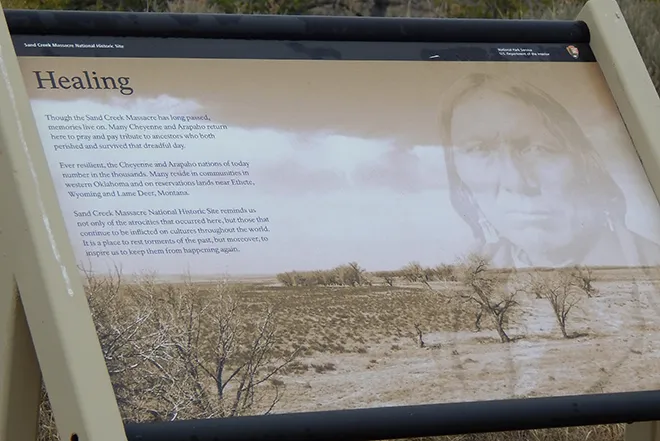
(200, 350)
(362, 348)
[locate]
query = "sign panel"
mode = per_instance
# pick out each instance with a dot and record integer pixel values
(431, 222)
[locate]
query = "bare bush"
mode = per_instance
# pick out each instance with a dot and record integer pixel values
(387, 276)
(351, 274)
(445, 272)
(414, 272)
(488, 292)
(536, 285)
(182, 351)
(559, 288)
(584, 277)
(204, 359)
(420, 335)
(286, 279)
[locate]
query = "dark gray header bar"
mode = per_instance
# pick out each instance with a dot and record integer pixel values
(293, 28)
(133, 47)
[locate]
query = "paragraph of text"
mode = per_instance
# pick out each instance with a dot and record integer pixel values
(128, 132)
(149, 179)
(170, 231)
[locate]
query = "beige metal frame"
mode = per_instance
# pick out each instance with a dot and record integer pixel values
(45, 323)
(43, 308)
(639, 106)
(649, 431)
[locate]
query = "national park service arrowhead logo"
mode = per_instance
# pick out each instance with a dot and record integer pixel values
(573, 51)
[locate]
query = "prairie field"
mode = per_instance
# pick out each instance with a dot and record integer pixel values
(361, 345)
(347, 338)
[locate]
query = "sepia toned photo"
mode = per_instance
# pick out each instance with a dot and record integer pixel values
(361, 234)
(527, 180)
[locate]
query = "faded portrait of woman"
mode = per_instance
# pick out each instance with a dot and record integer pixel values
(529, 183)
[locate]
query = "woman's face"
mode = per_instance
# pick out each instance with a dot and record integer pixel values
(520, 175)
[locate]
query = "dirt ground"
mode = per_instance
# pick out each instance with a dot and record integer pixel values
(362, 348)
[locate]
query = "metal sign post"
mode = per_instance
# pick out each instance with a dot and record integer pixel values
(638, 103)
(40, 283)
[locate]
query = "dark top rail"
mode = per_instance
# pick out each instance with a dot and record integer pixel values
(287, 27)
(413, 421)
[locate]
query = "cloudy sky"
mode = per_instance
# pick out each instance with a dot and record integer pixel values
(345, 168)
(329, 198)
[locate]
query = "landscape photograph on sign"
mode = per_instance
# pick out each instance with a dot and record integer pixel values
(296, 235)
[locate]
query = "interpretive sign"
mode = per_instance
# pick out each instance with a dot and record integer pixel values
(350, 224)
(346, 187)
